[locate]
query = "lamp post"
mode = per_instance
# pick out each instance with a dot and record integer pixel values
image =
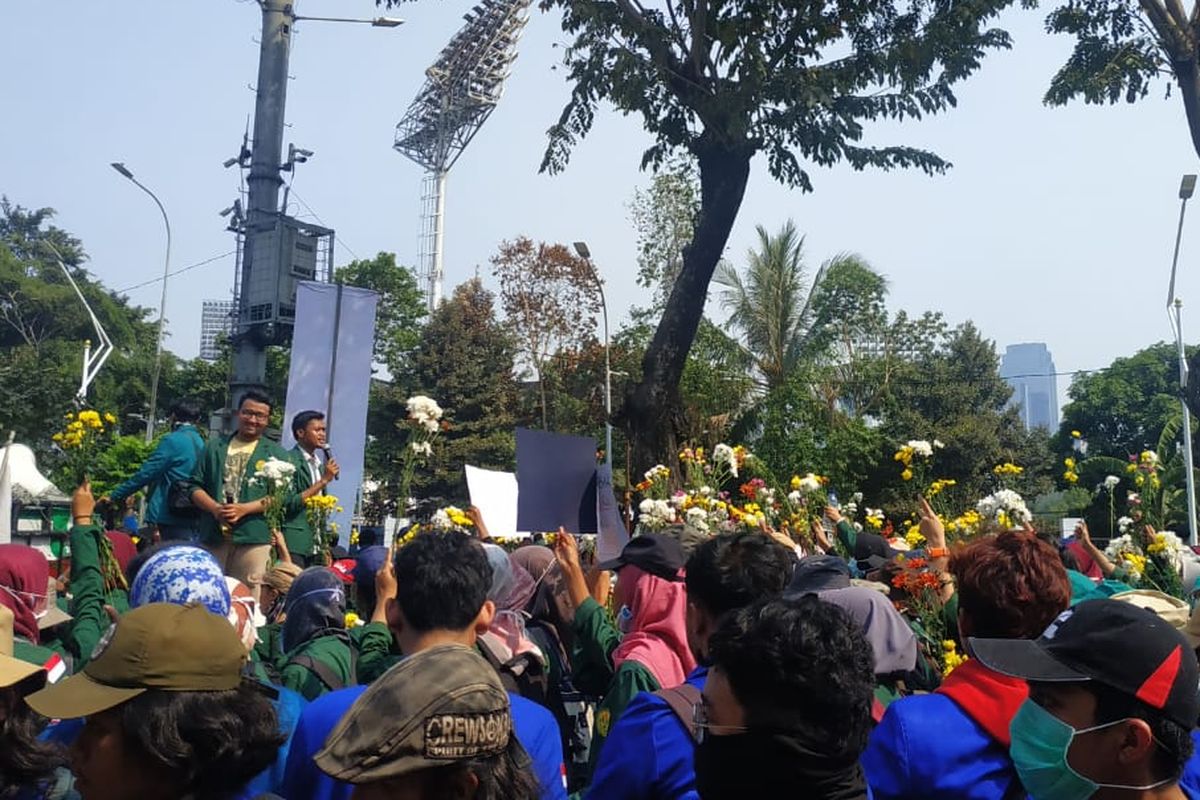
(162, 303)
(1175, 313)
(586, 254)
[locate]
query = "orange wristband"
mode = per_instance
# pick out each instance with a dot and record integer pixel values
(937, 552)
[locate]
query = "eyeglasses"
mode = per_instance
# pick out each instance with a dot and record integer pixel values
(254, 415)
(702, 726)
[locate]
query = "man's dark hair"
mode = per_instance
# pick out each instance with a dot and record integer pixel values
(800, 665)
(1174, 748)
(443, 581)
(186, 410)
(210, 743)
(301, 420)
(733, 570)
(255, 396)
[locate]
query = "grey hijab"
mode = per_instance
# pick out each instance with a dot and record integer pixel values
(892, 641)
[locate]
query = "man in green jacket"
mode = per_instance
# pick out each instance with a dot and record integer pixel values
(234, 528)
(313, 475)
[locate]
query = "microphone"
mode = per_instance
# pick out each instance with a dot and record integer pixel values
(328, 455)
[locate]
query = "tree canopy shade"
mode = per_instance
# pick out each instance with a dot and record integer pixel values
(1123, 47)
(724, 80)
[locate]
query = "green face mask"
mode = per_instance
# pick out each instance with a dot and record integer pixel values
(1040, 742)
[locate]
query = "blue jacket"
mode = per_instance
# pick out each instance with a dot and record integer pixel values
(535, 728)
(928, 748)
(648, 753)
(173, 460)
(1190, 782)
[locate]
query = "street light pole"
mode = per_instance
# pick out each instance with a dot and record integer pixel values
(1186, 187)
(582, 249)
(162, 303)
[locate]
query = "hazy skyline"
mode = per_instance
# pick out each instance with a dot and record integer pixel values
(1055, 225)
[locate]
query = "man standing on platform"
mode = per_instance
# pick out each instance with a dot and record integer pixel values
(234, 528)
(313, 475)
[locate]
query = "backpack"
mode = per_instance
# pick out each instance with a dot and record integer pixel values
(683, 699)
(568, 705)
(523, 674)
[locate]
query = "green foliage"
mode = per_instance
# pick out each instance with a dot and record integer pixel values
(1122, 409)
(117, 463)
(465, 363)
(785, 319)
(664, 215)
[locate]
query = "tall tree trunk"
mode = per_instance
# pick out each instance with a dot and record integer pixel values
(1187, 74)
(652, 412)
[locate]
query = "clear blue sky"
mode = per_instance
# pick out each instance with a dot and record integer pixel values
(1055, 225)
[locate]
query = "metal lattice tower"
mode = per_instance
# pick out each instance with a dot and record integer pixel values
(461, 90)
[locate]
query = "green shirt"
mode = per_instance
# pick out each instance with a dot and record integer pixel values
(330, 650)
(210, 476)
(88, 596)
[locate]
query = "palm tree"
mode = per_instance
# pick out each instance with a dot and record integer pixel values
(774, 307)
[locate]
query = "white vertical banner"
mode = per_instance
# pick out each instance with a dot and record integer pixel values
(495, 495)
(331, 373)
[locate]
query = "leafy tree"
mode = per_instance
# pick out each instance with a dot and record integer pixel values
(465, 362)
(549, 298)
(1123, 408)
(775, 311)
(1123, 48)
(664, 216)
(725, 80)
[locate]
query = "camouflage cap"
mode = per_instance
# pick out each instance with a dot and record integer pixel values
(155, 646)
(440, 706)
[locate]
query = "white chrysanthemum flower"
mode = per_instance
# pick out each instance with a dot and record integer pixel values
(810, 483)
(1111, 482)
(795, 498)
(921, 447)
(422, 448)
(423, 409)
(1124, 524)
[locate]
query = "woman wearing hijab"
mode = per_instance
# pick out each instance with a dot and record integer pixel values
(647, 650)
(549, 615)
(317, 653)
(24, 578)
(277, 582)
(520, 662)
(892, 641)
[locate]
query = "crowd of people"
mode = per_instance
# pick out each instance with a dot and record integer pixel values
(226, 662)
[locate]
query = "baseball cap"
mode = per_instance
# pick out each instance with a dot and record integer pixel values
(652, 552)
(440, 706)
(344, 569)
(1121, 645)
(816, 574)
(155, 646)
(369, 561)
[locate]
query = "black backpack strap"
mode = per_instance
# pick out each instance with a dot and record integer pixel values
(326, 674)
(683, 699)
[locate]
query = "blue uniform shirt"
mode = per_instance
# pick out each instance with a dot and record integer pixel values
(928, 748)
(649, 752)
(535, 728)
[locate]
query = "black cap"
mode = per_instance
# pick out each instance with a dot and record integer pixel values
(816, 574)
(652, 552)
(1120, 645)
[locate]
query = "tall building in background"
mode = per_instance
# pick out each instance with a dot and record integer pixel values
(216, 320)
(1029, 370)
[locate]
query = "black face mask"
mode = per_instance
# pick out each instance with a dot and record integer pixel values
(756, 764)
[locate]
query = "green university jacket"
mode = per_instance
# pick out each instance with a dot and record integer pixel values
(210, 476)
(296, 530)
(595, 640)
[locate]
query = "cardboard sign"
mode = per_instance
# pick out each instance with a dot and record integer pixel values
(495, 495)
(556, 482)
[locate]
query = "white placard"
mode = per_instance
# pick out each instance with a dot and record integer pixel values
(495, 495)
(1068, 526)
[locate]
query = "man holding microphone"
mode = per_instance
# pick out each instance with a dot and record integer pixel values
(315, 470)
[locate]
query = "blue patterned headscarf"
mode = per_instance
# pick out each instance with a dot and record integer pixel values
(181, 575)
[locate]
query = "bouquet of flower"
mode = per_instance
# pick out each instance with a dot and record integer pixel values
(1150, 559)
(317, 510)
(451, 518)
(1005, 508)
(424, 421)
(275, 475)
(917, 593)
(81, 440)
(915, 457)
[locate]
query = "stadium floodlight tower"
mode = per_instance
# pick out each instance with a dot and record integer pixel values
(461, 90)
